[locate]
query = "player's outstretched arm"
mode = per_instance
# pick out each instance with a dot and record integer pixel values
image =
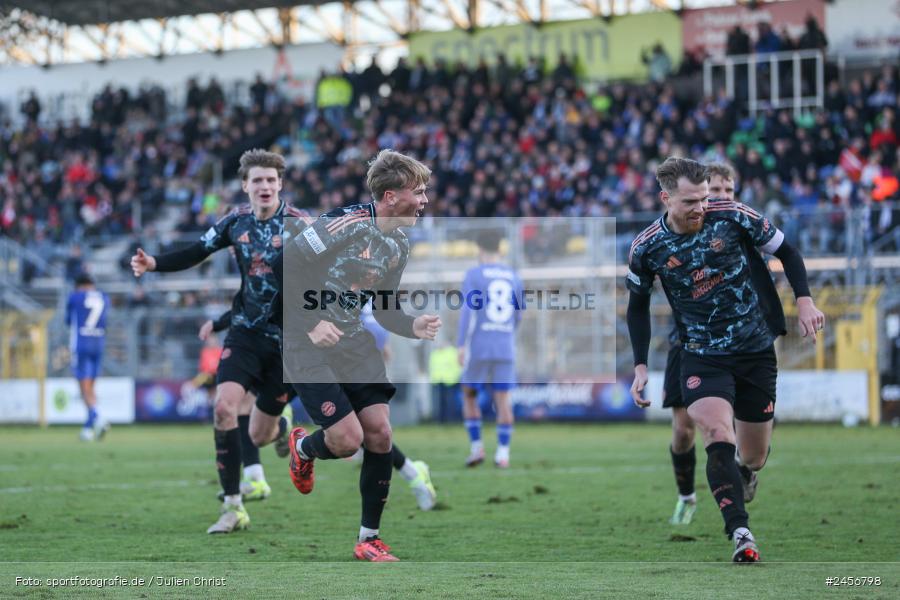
(426, 327)
(325, 334)
(638, 385)
(180, 260)
(812, 320)
(210, 326)
(223, 322)
(142, 262)
(638, 319)
(205, 330)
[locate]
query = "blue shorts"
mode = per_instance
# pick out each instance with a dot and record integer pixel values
(86, 366)
(499, 374)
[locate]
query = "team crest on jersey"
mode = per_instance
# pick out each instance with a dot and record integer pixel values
(717, 245)
(328, 408)
(276, 241)
(244, 239)
(693, 382)
(673, 262)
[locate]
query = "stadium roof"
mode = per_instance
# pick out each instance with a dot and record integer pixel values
(92, 12)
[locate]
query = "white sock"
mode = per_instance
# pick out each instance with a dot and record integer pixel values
(300, 449)
(502, 453)
(254, 472)
(366, 533)
(692, 498)
(408, 471)
(477, 447)
(234, 500)
(741, 532)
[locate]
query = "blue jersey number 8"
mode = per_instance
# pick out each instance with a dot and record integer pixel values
(499, 307)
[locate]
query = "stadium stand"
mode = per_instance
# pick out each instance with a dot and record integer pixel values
(518, 142)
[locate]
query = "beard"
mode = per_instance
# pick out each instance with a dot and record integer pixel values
(689, 226)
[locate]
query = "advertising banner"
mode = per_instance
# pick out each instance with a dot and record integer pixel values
(706, 29)
(63, 404)
(19, 401)
(603, 50)
(575, 401)
(171, 401)
(803, 396)
(863, 29)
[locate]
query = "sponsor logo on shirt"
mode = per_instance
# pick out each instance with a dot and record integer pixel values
(703, 282)
(315, 242)
(209, 235)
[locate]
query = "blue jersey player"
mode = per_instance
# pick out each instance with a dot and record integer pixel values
(487, 346)
(728, 364)
(86, 312)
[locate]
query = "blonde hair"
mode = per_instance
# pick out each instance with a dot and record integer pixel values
(391, 170)
(261, 158)
(723, 170)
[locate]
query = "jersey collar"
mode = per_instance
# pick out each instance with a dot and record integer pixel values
(662, 222)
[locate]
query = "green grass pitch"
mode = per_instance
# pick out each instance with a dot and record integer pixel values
(582, 513)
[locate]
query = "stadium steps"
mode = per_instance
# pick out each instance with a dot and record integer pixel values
(14, 297)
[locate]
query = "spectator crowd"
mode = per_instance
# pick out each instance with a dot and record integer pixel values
(502, 140)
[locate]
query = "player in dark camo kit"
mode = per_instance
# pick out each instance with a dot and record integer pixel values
(330, 269)
(728, 371)
(721, 187)
(415, 472)
(251, 358)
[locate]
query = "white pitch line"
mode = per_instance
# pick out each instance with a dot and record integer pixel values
(632, 468)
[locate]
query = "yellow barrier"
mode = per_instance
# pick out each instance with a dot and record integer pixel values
(851, 313)
(23, 350)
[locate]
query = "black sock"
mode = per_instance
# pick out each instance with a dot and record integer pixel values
(249, 450)
(228, 460)
(314, 446)
(725, 482)
(398, 458)
(374, 485)
(684, 465)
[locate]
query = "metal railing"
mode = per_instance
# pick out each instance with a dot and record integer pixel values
(742, 79)
(18, 265)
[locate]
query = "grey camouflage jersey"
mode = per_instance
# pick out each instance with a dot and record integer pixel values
(706, 277)
(345, 254)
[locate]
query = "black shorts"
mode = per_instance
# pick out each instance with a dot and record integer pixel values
(253, 361)
(334, 382)
(672, 397)
(746, 380)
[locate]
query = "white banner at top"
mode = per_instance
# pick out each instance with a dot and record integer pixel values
(863, 29)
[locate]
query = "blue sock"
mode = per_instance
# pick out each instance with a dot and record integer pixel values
(473, 426)
(504, 434)
(92, 416)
